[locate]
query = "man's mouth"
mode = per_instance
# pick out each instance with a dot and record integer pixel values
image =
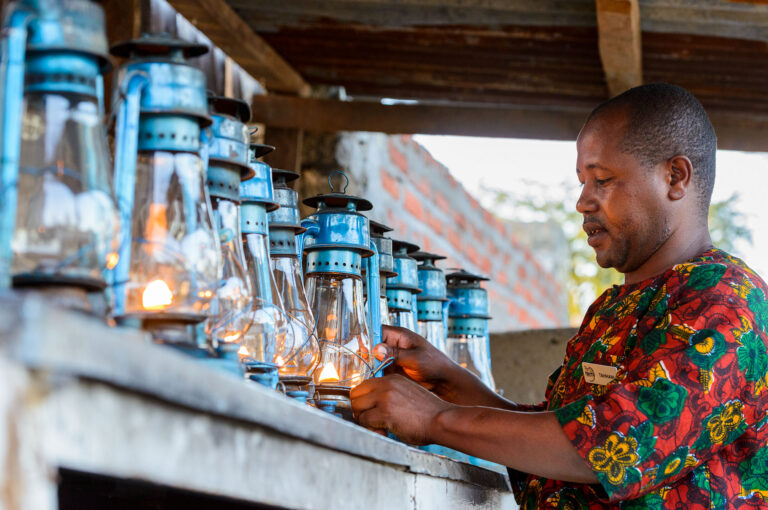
(594, 232)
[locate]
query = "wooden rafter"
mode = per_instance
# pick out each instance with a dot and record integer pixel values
(734, 131)
(221, 24)
(619, 39)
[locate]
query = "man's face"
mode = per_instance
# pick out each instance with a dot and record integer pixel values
(624, 204)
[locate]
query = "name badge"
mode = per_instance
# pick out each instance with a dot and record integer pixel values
(598, 374)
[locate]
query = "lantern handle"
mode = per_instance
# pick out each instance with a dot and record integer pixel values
(346, 179)
(13, 54)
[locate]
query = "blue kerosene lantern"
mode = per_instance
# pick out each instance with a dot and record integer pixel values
(432, 304)
(58, 218)
(468, 342)
(299, 360)
(386, 265)
(337, 247)
(170, 264)
(403, 288)
(228, 164)
(266, 341)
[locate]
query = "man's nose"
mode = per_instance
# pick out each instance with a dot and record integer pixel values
(586, 202)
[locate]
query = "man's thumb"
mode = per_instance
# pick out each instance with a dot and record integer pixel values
(381, 352)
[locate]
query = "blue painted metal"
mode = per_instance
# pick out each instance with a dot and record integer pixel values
(230, 143)
(384, 248)
(337, 241)
(405, 266)
(162, 106)
(298, 395)
(401, 289)
(265, 374)
(127, 137)
(430, 304)
(372, 280)
(468, 298)
(41, 52)
(259, 187)
(14, 43)
(399, 300)
(285, 222)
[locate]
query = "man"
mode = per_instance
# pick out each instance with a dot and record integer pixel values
(677, 414)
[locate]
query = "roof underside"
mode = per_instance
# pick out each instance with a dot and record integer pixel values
(541, 52)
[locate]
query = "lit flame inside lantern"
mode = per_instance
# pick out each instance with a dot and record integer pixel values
(355, 379)
(329, 374)
(279, 361)
(156, 296)
(112, 259)
(242, 352)
(231, 337)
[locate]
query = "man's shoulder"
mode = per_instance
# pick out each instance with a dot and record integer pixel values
(716, 272)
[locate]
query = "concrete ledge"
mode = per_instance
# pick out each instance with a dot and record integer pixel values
(87, 397)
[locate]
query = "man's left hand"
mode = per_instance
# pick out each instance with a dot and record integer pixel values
(399, 405)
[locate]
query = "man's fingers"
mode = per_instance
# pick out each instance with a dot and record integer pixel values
(397, 337)
(381, 351)
(364, 402)
(363, 388)
(373, 419)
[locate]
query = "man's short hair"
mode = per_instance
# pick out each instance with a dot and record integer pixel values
(663, 121)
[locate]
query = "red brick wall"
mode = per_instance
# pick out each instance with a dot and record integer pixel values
(418, 197)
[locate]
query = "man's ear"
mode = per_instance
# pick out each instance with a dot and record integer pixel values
(679, 176)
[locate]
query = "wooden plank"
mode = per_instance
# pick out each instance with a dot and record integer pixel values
(230, 33)
(619, 40)
(123, 22)
(288, 143)
(734, 131)
(312, 114)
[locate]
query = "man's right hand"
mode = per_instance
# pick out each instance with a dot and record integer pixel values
(422, 362)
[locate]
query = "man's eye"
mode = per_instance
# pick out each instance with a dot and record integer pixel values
(601, 182)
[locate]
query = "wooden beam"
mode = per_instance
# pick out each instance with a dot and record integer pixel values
(222, 25)
(742, 132)
(331, 115)
(619, 39)
(288, 143)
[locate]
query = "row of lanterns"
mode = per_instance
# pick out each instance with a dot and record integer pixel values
(202, 245)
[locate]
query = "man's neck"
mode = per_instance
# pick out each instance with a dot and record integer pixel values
(682, 245)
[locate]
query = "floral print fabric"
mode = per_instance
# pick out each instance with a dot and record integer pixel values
(684, 423)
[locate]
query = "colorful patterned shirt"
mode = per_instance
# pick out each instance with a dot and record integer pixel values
(684, 421)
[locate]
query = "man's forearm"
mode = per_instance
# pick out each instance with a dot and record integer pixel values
(465, 389)
(529, 442)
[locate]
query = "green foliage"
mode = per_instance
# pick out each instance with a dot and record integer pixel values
(726, 224)
(534, 201)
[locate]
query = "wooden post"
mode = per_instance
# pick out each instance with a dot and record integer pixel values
(619, 39)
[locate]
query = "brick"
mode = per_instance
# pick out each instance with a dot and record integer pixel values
(390, 184)
(521, 272)
(492, 248)
(476, 233)
(424, 187)
(406, 139)
(442, 203)
(460, 221)
(426, 244)
(487, 217)
(512, 308)
(435, 224)
(493, 296)
(472, 255)
(501, 278)
(397, 157)
(413, 205)
(454, 238)
(485, 265)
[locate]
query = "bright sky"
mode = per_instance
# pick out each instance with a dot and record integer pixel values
(504, 163)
